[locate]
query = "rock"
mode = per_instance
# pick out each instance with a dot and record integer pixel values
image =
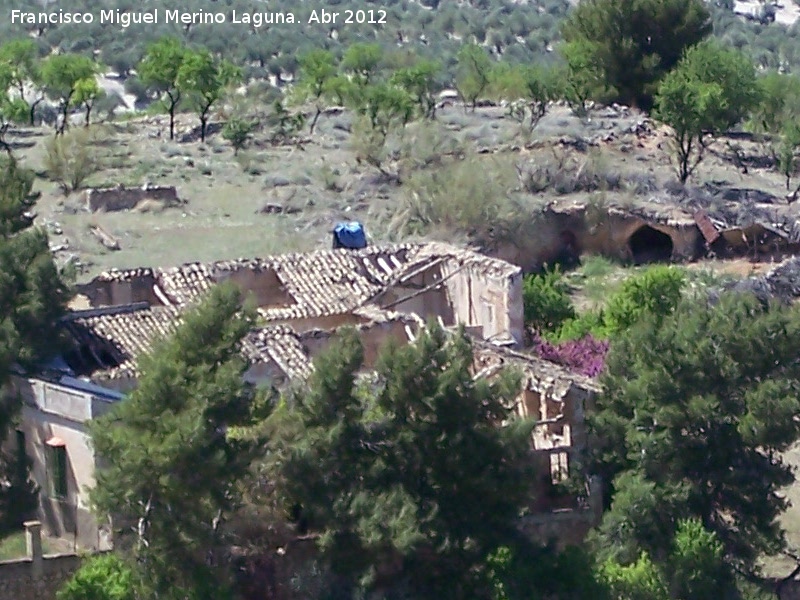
(276, 209)
(277, 181)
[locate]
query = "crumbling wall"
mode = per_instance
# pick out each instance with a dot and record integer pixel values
(267, 290)
(563, 235)
(125, 291)
(420, 295)
(327, 322)
(480, 299)
(122, 198)
(373, 336)
(54, 411)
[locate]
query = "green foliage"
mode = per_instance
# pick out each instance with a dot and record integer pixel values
(582, 78)
(711, 89)
(87, 92)
(639, 581)
(362, 61)
(22, 56)
(474, 73)
(779, 102)
(158, 71)
(419, 82)
(408, 468)
(656, 291)
(384, 111)
(317, 70)
(61, 74)
(528, 573)
(203, 80)
(238, 132)
(529, 89)
(698, 405)
(546, 301)
(632, 44)
(385, 106)
(35, 296)
(172, 468)
(72, 158)
(697, 564)
(103, 577)
(786, 155)
(285, 123)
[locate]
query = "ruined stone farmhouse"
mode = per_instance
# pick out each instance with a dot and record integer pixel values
(385, 292)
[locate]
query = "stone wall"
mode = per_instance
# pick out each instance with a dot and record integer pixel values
(36, 577)
(122, 198)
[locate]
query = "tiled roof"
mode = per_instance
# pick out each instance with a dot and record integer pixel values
(321, 283)
(118, 336)
(324, 282)
(282, 344)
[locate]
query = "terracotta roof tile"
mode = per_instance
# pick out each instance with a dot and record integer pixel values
(282, 344)
(118, 336)
(321, 283)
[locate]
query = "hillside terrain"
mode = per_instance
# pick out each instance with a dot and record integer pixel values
(287, 197)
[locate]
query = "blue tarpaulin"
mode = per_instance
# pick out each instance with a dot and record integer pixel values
(350, 235)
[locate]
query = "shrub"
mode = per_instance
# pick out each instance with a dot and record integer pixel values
(546, 301)
(238, 132)
(104, 577)
(469, 196)
(656, 291)
(641, 579)
(71, 158)
(585, 355)
(589, 323)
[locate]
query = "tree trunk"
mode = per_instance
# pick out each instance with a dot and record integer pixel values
(34, 104)
(174, 98)
(314, 121)
(88, 115)
(64, 114)
(203, 121)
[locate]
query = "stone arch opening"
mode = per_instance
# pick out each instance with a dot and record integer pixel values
(569, 251)
(650, 245)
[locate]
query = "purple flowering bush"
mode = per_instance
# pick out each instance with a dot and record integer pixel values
(586, 355)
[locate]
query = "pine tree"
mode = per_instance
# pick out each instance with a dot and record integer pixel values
(697, 409)
(172, 466)
(408, 476)
(33, 295)
(632, 44)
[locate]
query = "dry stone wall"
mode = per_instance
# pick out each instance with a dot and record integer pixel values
(122, 198)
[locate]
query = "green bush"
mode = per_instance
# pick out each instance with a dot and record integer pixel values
(238, 132)
(657, 290)
(72, 158)
(639, 581)
(104, 577)
(546, 301)
(589, 323)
